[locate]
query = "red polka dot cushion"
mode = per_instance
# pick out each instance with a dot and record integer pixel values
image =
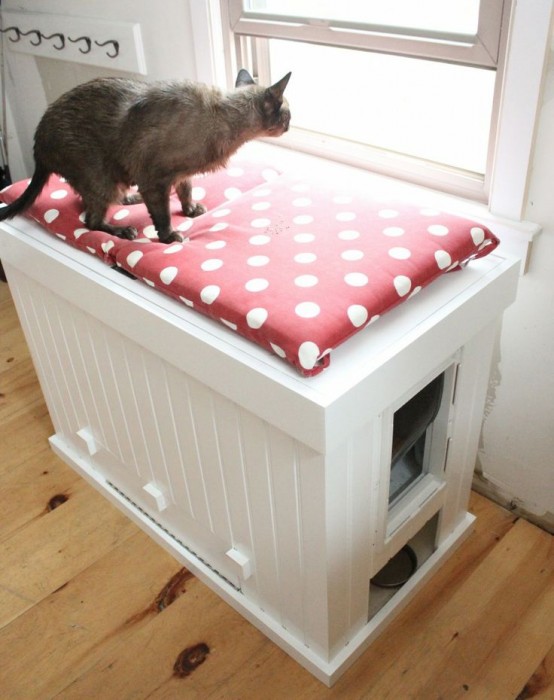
(295, 265)
(59, 209)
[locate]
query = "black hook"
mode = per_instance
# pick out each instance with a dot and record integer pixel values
(56, 35)
(38, 35)
(33, 31)
(12, 29)
(87, 41)
(115, 47)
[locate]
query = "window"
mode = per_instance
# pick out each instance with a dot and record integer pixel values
(404, 88)
(228, 34)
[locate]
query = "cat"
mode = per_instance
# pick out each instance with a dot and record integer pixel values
(109, 134)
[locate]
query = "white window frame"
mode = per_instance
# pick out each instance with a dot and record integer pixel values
(481, 49)
(527, 45)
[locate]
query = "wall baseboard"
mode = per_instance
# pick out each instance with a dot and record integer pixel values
(486, 488)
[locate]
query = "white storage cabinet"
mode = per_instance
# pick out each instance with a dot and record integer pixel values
(276, 490)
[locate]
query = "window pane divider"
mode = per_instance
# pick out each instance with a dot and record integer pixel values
(480, 49)
(469, 52)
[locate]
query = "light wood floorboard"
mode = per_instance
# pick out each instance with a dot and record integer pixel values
(91, 608)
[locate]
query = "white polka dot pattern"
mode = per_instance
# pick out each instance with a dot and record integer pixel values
(168, 274)
(51, 215)
(256, 318)
(294, 265)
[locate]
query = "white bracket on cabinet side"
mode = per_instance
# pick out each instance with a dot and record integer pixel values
(157, 496)
(241, 562)
(85, 434)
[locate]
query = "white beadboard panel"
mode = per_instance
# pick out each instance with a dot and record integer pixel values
(26, 295)
(282, 480)
(170, 431)
(132, 430)
(88, 343)
(127, 397)
(85, 332)
(52, 331)
(231, 452)
(363, 516)
(311, 495)
(209, 458)
(286, 510)
(144, 428)
(349, 519)
(66, 343)
(189, 470)
(337, 523)
(112, 359)
(151, 391)
(261, 499)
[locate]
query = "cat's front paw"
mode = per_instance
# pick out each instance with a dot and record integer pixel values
(194, 209)
(172, 237)
(127, 232)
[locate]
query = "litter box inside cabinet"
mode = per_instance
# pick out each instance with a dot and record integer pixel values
(286, 495)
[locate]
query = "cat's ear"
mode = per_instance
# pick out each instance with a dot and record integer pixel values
(278, 89)
(243, 78)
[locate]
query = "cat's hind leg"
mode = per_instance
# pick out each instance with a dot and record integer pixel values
(96, 200)
(184, 192)
(156, 198)
(95, 213)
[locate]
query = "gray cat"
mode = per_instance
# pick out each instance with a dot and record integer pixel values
(111, 133)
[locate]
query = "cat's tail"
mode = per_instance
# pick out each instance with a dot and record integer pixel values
(23, 202)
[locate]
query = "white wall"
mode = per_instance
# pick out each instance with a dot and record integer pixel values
(516, 459)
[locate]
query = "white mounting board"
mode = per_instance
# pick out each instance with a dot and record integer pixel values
(130, 54)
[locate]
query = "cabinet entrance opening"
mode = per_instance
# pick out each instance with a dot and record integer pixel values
(411, 425)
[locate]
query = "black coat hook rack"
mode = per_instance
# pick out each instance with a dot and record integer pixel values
(59, 42)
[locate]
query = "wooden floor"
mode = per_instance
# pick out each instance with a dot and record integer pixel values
(91, 608)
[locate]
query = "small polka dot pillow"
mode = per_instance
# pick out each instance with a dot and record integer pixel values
(297, 266)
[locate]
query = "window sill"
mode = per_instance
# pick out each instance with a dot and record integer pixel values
(388, 163)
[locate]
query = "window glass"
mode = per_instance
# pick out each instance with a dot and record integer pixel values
(436, 111)
(450, 16)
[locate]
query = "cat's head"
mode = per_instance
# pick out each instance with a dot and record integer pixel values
(271, 104)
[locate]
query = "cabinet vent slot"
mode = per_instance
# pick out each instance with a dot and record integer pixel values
(170, 534)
